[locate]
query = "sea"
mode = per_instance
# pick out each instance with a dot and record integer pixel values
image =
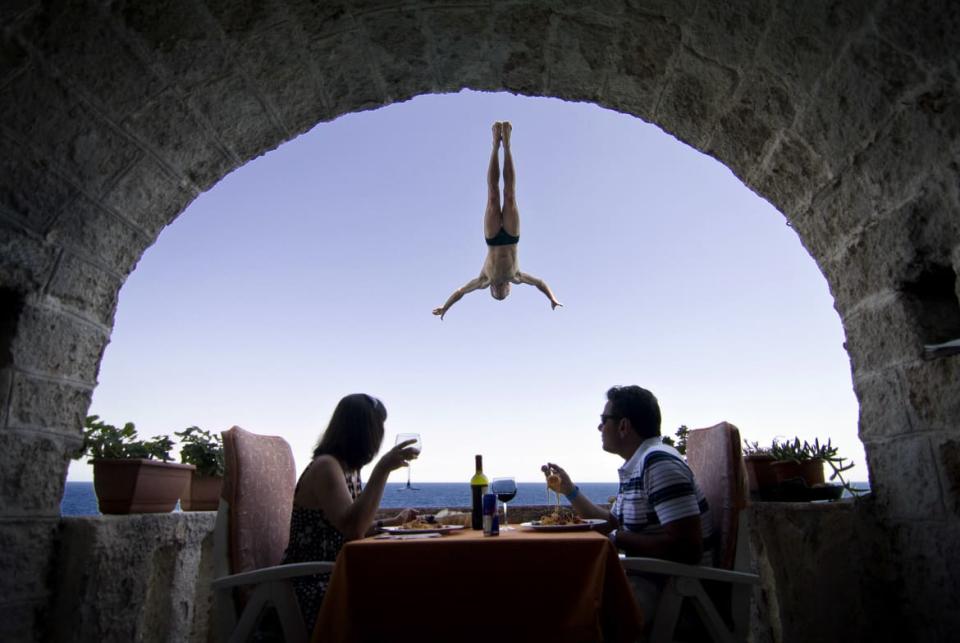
(79, 498)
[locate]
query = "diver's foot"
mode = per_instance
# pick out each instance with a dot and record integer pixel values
(505, 129)
(497, 133)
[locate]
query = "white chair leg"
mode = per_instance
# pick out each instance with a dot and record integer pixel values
(668, 610)
(251, 612)
(708, 613)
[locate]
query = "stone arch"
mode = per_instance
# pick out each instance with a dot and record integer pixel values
(844, 115)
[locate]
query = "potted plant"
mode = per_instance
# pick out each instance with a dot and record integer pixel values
(205, 451)
(798, 460)
(131, 475)
(759, 464)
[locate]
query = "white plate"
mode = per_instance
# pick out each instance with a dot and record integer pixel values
(588, 523)
(439, 529)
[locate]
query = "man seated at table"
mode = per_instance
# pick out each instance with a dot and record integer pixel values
(659, 510)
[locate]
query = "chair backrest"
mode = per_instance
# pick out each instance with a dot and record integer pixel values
(258, 487)
(715, 458)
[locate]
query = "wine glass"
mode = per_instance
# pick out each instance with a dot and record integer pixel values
(404, 437)
(506, 490)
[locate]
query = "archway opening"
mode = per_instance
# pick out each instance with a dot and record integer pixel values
(311, 272)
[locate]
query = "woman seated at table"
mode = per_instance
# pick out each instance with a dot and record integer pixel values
(330, 505)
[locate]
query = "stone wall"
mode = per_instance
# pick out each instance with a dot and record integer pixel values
(843, 114)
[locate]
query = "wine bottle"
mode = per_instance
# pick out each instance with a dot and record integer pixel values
(478, 487)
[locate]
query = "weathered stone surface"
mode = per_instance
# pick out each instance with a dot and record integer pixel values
(85, 288)
(29, 193)
(99, 235)
(581, 55)
(168, 126)
(20, 621)
(883, 411)
(880, 332)
(854, 98)
(696, 94)
(33, 468)
(519, 46)
(928, 29)
(646, 46)
(25, 556)
(347, 76)
(74, 37)
(931, 392)
(904, 479)
(458, 34)
(400, 52)
(149, 196)
(57, 345)
(133, 578)
(948, 456)
(43, 404)
(728, 34)
(24, 259)
(794, 173)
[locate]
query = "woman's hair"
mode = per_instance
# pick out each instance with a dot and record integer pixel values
(355, 431)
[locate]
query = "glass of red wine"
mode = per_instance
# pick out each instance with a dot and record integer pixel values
(505, 490)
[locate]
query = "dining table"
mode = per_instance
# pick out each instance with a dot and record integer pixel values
(522, 585)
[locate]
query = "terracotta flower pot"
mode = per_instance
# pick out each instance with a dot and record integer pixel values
(760, 474)
(202, 494)
(810, 471)
(139, 486)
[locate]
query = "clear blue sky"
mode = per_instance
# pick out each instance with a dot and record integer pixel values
(310, 273)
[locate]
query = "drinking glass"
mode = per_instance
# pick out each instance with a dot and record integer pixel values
(403, 437)
(505, 490)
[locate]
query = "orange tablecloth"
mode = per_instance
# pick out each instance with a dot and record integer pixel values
(535, 586)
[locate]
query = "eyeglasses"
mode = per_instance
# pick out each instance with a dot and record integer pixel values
(604, 417)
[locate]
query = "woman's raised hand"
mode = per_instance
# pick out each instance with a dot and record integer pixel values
(399, 456)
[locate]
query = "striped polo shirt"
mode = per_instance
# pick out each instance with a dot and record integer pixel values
(656, 488)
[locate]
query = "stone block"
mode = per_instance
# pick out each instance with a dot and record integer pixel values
(322, 19)
(25, 261)
(400, 51)
(904, 478)
(519, 46)
(927, 28)
(183, 37)
(58, 345)
(169, 127)
(29, 192)
(85, 288)
(149, 196)
(26, 549)
(646, 46)
(82, 45)
(881, 332)
(99, 235)
(928, 555)
(794, 173)
(349, 81)
(839, 208)
(124, 578)
(728, 33)
(764, 108)
(581, 54)
(694, 97)
(14, 59)
(69, 137)
(854, 99)
(804, 38)
(948, 457)
(13, 10)
(458, 34)
(883, 409)
(20, 620)
(674, 11)
(43, 404)
(885, 253)
(33, 468)
(931, 393)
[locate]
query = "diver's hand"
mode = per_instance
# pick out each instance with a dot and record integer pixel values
(440, 311)
(554, 303)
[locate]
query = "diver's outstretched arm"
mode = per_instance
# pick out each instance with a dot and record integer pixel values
(523, 278)
(470, 286)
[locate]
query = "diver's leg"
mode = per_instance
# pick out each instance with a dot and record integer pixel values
(511, 215)
(492, 219)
